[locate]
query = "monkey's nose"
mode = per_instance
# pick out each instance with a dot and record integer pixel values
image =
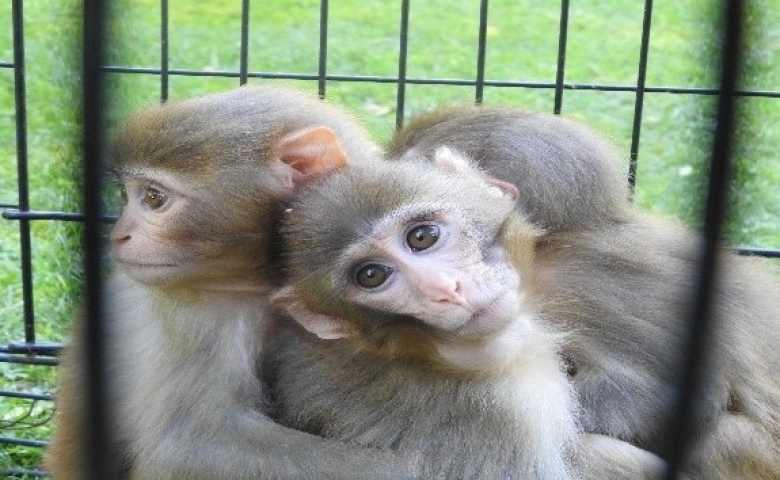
(120, 238)
(122, 231)
(442, 288)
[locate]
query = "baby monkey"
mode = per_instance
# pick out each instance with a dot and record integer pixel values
(620, 284)
(415, 328)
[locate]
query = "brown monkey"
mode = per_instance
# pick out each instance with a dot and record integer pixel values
(568, 177)
(418, 332)
(619, 284)
(188, 303)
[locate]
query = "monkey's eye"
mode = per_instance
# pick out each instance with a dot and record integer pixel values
(422, 237)
(123, 193)
(373, 275)
(154, 198)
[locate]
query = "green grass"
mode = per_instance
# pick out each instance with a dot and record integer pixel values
(363, 40)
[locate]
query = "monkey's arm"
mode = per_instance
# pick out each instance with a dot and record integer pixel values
(598, 457)
(200, 413)
(252, 446)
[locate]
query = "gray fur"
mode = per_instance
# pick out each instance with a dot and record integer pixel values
(186, 396)
(625, 294)
(568, 177)
(621, 285)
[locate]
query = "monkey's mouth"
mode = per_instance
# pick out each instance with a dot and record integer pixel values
(146, 265)
(486, 317)
(486, 310)
(143, 271)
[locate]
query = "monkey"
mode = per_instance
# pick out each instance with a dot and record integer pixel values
(619, 283)
(188, 300)
(409, 324)
(625, 294)
(569, 178)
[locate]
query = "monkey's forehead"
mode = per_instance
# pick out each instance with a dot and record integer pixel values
(357, 206)
(368, 193)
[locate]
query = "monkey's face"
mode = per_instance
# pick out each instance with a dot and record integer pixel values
(171, 234)
(429, 262)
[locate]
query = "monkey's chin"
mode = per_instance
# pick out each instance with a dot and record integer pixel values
(150, 273)
(494, 317)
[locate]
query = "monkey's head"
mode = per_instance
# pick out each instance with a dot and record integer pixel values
(402, 254)
(202, 180)
(570, 178)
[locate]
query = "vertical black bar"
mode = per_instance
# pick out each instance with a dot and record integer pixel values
(100, 462)
(243, 67)
(323, 61)
(680, 434)
(640, 94)
(400, 99)
(562, 44)
(164, 90)
(481, 49)
(23, 186)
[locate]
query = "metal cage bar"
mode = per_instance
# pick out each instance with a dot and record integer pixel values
(640, 95)
(695, 361)
(481, 52)
(403, 39)
(31, 352)
(23, 182)
(560, 69)
(437, 81)
(322, 62)
(101, 462)
(164, 37)
(243, 62)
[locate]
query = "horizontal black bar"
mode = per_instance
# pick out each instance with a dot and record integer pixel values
(46, 215)
(23, 442)
(7, 65)
(78, 217)
(9, 205)
(37, 348)
(28, 360)
(47, 397)
(430, 81)
(21, 472)
(438, 81)
(758, 252)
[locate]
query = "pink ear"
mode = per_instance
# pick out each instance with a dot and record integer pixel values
(452, 160)
(456, 162)
(324, 326)
(505, 188)
(311, 153)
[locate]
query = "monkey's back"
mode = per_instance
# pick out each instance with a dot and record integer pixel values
(626, 293)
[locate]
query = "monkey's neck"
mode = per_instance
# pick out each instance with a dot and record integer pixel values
(198, 319)
(163, 345)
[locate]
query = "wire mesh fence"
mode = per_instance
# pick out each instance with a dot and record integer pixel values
(26, 345)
